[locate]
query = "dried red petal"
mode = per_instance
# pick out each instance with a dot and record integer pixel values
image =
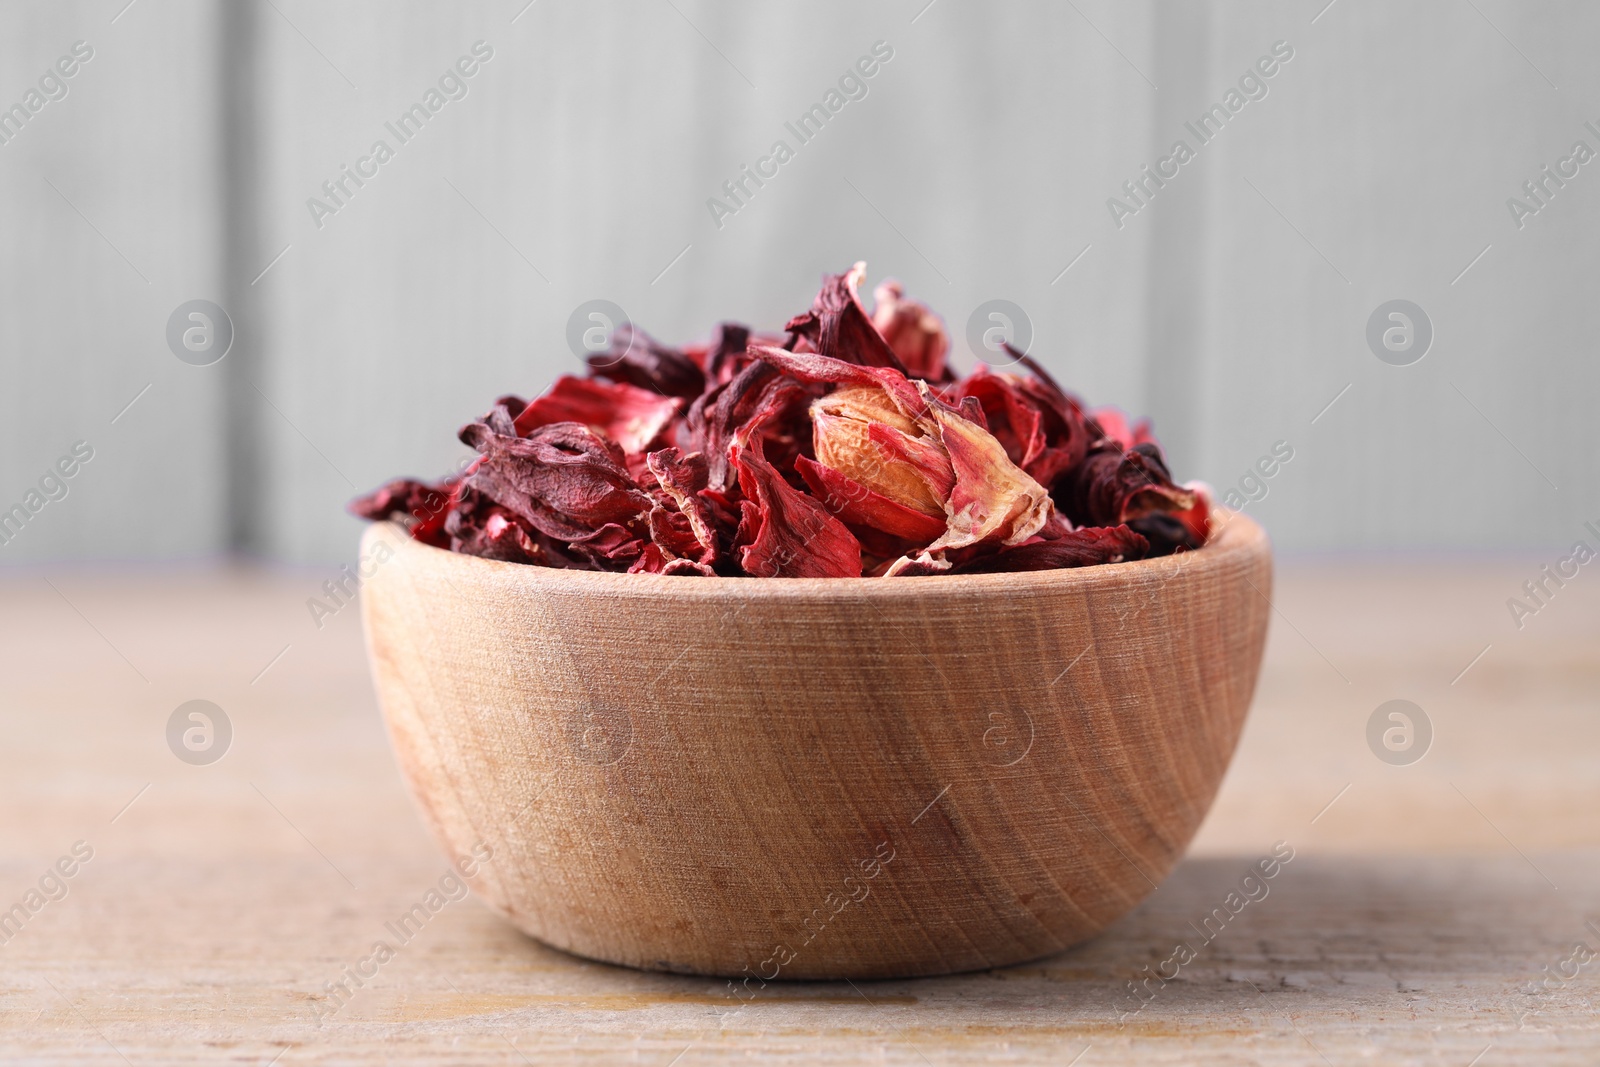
(1044, 430)
(1083, 547)
(631, 417)
(1112, 486)
(1178, 531)
(639, 360)
(838, 327)
(671, 532)
(688, 567)
(726, 355)
(756, 395)
(993, 500)
(1015, 422)
(825, 370)
(972, 411)
(611, 547)
(562, 479)
(683, 478)
(1197, 519)
(479, 527)
(651, 561)
(987, 499)
(421, 507)
(790, 535)
(857, 505)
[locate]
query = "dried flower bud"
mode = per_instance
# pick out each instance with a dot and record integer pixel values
(859, 432)
(897, 440)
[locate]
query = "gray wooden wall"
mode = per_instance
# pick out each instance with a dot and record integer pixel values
(1232, 307)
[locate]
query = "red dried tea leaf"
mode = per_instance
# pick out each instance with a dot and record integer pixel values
(972, 411)
(562, 479)
(857, 505)
(1197, 519)
(684, 478)
(818, 369)
(689, 567)
(726, 354)
(673, 536)
(838, 326)
(992, 503)
(611, 547)
(654, 561)
(1044, 430)
(630, 416)
(477, 526)
(1113, 486)
(757, 395)
(1016, 423)
(639, 360)
(421, 507)
(785, 533)
(1083, 547)
(651, 561)
(1178, 531)
(845, 449)
(993, 500)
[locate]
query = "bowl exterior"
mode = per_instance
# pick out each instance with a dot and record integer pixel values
(846, 778)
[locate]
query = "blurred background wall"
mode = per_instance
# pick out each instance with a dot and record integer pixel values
(1232, 306)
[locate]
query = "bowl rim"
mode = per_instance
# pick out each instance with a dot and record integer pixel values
(1235, 537)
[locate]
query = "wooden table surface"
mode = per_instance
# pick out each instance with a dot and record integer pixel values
(1423, 906)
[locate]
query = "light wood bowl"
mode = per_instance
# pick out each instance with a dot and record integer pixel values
(817, 778)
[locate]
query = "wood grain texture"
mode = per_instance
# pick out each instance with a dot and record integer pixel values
(705, 776)
(222, 903)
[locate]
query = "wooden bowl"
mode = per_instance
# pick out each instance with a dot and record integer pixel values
(816, 778)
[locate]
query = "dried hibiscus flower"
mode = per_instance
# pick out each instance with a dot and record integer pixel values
(882, 432)
(844, 447)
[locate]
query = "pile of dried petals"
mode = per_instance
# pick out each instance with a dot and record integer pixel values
(844, 448)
